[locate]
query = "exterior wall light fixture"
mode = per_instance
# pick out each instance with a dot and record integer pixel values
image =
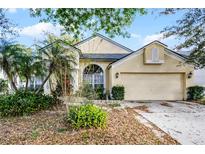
(116, 75)
(190, 75)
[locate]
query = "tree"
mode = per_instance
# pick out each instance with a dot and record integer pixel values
(57, 56)
(17, 60)
(78, 20)
(6, 32)
(27, 64)
(7, 60)
(6, 27)
(191, 30)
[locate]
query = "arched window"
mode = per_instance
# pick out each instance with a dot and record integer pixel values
(155, 55)
(93, 74)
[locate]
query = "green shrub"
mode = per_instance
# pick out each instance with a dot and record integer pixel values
(87, 116)
(3, 86)
(118, 92)
(195, 93)
(86, 91)
(100, 95)
(58, 91)
(24, 103)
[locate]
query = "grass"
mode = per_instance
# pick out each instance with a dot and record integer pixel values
(49, 127)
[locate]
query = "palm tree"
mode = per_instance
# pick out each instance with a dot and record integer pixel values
(28, 64)
(7, 60)
(58, 56)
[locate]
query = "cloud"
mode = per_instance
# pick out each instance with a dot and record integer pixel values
(159, 37)
(38, 31)
(137, 36)
(12, 10)
(150, 38)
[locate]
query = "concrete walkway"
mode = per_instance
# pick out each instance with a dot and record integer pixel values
(182, 120)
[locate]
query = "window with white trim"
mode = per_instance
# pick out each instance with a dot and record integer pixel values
(155, 55)
(93, 74)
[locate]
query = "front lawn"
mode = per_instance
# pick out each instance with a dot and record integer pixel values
(49, 127)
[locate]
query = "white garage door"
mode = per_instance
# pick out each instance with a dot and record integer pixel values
(153, 86)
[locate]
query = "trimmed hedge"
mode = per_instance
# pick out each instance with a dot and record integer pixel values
(86, 116)
(118, 92)
(195, 93)
(24, 103)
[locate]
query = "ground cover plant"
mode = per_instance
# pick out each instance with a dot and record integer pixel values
(24, 103)
(86, 116)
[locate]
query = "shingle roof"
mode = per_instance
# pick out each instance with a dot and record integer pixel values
(102, 57)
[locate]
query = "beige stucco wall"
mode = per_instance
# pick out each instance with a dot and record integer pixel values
(136, 65)
(99, 45)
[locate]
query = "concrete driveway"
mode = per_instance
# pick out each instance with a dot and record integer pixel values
(183, 121)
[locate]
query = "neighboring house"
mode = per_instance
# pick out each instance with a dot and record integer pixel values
(34, 83)
(154, 72)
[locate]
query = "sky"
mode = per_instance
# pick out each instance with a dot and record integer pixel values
(143, 30)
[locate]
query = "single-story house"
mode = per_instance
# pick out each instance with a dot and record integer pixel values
(153, 72)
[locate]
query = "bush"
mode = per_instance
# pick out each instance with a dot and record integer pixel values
(24, 103)
(58, 91)
(87, 116)
(195, 93)
(86, 91)
(100, 95)
(118, 92)
(3, 86)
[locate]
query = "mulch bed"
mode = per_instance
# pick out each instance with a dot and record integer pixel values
(49, 127)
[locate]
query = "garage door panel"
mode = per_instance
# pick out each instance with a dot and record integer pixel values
(153, 86)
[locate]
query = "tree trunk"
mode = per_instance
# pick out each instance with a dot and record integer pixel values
(13, 85)
(45, 80)
(11, 80)
(26, 87)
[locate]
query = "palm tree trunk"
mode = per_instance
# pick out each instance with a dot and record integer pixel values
(13, 85)
(45, 80)
(26, 88)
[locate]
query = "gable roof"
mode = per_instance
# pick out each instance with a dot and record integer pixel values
(105, 38)
(140, 49)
